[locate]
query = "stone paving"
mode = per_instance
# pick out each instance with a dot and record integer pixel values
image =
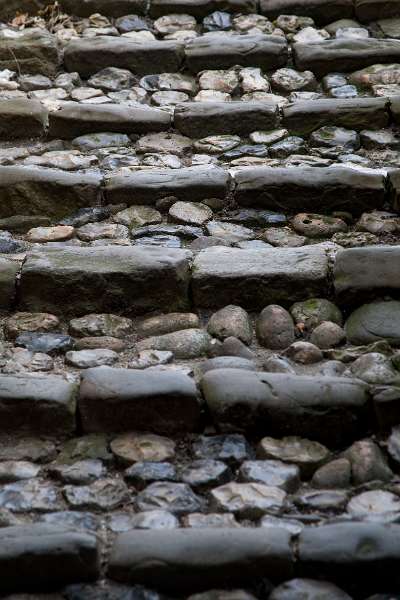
(200, 300)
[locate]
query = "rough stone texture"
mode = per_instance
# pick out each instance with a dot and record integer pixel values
(364, 554)
(372, 10)
(214, 118)
(319, 189)
(327, 409)
(118, 8)
(38, 404)
(263, 51)
(37, 556)
(20, 118)
(366, 272)
(345, 54)
(254, 278)
(35, 51)
(146, 187)
(8, 278)
(74, 119)
(123, 400)
(88, 56)
(200, 8)
(179, 560)
(50, 192)
(302, 118)
(111, 279)
(322, 11)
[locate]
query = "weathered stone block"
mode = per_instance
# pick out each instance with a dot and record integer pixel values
(46, 557)
(88, 56)
(331, 410)
(345, 54)
(29, 51)
(128, 399)
(222, 52)
(146, 187)
(314, 189)
(105, 279)
(45, 192)
(322, 11)
(200, 119)
(21, 118)
(8, 278)
(254, 278)
(74, 119)
(116, 8)
(200, 8)
(36, 403)
(185, 560)
(373, 10)
(302, 118)
(364, 273)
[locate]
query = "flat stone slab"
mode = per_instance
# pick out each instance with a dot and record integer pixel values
(394, 181)
(105, 279)
(46, 192)
(129, 400)
(331, 410)
(322, 11)
(146, 187)
(35, 50)
(363, 554)
(255, 278)
(200, 119)
(314, 189)
(344, 55)
(200, 8)
(116, 8)
(73, 120)
(222, 52)
(8, 279)
(363, 273)
(88, 56)
(181, 560)
(304, 117)
(37, 403)
(46, 557)
(20, 118)
(372, 10)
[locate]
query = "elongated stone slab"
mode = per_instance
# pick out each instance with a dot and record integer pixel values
(254, 278)
(395, 109)
(46, 557)
(128, 400)
(73, 120)
(45, 192)
(373, 10)
(179, 560)
(116, 8)
(364, 556)
(200, 8)
(363, 273)
(88, 56)
(345, 54)
(20, 118)
(38, 404)
(331, 410)
(301, 118)
(105, 279)
(394, 186)
(322, 11)
(222, 52)
(199, 119)
(146, 187)
(314, 189)
(29, 50)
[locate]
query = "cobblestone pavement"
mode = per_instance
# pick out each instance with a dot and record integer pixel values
(200, 300)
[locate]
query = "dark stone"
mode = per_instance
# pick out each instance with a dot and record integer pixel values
(33, 50)
(230, 448)
(200, 8)
(49, 343)
(319, 189)
(322, 11)
(20, 118)
(222, 52)
(373, 10)
(186, 560)
(331, 410)
(123, 400)
(143, 473)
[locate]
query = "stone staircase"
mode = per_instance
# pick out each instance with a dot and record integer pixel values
(200, 299)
